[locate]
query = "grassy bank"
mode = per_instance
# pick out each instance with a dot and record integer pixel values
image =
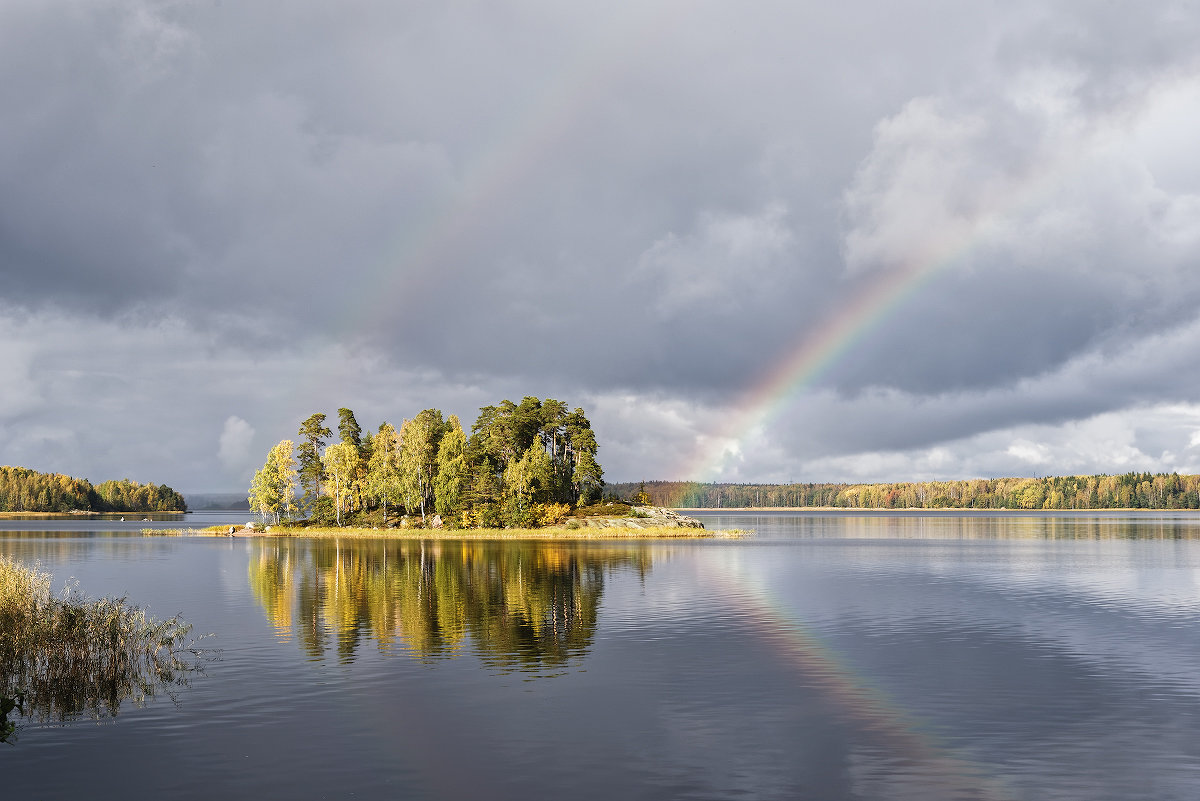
(548, 533)
(67, 656)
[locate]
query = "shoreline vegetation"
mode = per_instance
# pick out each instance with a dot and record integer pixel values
(621, 522)
(525, 465)
(77, 513)
(27, 491)
(1128, 491)
(948, 510)
(68, 656)
(550, 533)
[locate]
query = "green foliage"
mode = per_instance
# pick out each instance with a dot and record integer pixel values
(505, 436)
(522, 465)
(420, 438)
(516, 512)
(313, 434)
(274, 486)
(383, 482)
(1128, 491)
(24, 490)
(453, 474)
(348, 428)
(323, 513)
(605, 509)
(341, 465)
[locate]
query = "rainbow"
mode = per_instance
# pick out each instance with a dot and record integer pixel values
(941, 772)
(433, 246)
(809, 359)
(818, 350)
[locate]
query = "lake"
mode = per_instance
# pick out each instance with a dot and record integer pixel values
(828, 656)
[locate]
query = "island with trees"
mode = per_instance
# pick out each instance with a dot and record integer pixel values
(24, 490)
(524, 465)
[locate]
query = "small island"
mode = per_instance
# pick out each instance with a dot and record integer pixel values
(527, 470)
(607, 520)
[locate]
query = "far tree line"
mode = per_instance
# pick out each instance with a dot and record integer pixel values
(1127, 491)
(525, 464)
(25, 490)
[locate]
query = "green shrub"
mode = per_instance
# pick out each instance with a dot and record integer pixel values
(323, 513)
(606, 509)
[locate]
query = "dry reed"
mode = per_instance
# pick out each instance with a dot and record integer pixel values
(67, 656)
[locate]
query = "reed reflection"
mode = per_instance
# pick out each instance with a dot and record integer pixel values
(65, 656)
(521, 605)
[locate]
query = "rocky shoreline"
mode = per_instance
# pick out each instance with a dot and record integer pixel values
(645, 517)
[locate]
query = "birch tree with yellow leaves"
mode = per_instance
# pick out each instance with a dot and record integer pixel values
(273, 487)
(341, 463)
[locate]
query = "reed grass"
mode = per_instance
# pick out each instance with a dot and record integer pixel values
(67, 656)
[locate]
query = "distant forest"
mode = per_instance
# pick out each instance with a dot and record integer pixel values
(1128, 491)
(24, 490)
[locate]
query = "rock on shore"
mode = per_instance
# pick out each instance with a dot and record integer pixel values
(655, 517)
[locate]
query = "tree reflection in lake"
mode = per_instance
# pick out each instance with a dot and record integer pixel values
(523, 605)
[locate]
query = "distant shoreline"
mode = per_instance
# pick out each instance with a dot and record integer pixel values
(922, 510)
(81, 513)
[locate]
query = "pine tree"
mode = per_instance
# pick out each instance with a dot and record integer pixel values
(313, 433)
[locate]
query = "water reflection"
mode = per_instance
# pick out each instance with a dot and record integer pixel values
(1181, 525)
(66, 658)
(523, 605)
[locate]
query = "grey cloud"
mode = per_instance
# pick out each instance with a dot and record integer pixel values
(659, 202)
(1053, 248)
(1159, 370)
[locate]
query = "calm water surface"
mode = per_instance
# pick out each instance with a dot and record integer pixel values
(830, 656)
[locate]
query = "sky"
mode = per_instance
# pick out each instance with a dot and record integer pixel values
(756, 242)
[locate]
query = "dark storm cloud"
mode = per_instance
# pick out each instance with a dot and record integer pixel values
(654, 201)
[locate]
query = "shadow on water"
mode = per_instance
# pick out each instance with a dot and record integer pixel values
(523, 605)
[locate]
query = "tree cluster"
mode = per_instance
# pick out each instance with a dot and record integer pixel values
(523, 464)
(1128, 491)
(24, 490)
